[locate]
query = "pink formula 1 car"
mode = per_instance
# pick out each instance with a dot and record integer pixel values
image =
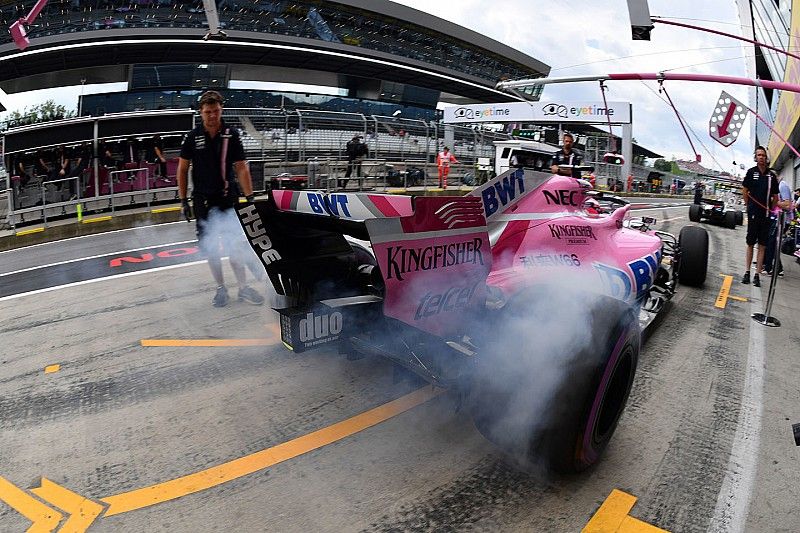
(516, 296)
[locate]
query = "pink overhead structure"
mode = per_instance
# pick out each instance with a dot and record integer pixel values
(653, 76)
(18, 29)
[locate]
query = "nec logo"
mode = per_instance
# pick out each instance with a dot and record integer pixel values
(503, 192)
(561, 197)
(334, 204)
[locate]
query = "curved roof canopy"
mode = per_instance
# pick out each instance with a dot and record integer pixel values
(368, 39)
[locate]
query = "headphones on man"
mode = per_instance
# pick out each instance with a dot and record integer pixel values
(756, 150)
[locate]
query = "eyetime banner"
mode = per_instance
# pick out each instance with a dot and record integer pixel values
(544, 111)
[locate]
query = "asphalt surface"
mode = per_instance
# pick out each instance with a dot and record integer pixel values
(704, 444)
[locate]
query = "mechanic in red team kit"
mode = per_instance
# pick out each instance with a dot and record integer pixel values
(217, 157)
(759, 192)
(443, 161)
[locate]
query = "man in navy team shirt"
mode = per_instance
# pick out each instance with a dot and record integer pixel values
(760, 192)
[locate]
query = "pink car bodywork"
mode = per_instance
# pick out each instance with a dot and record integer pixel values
(439, 256)
(538, 227)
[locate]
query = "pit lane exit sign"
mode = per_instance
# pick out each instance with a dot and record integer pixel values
(727, 119)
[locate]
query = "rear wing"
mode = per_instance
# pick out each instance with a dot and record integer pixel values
(434, 263)
(433, 255)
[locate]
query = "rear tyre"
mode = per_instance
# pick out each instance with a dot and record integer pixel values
(739, 217)
(730, 219)
(555, 407)
(694, 213)
(694, 256)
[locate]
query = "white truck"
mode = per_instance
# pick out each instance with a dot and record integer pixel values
(528, 154)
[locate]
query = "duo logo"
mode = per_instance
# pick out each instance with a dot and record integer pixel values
(503, 192)
(333, 204)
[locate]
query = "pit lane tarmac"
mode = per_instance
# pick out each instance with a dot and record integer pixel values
(165, 414)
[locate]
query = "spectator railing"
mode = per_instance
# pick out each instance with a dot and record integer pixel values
(276, 141)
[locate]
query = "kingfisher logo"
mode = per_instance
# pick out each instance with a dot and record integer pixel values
(469, 113)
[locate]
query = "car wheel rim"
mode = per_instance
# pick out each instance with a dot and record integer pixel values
(615, 396)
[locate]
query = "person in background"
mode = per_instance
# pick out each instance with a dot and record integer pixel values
(219, 172)
(759, 192)
(784, 205)
(80, 156)
(20, 169)
(157, 156)
(356, 152)
(566, 156)
(443, 161)
(130, 151)
(699, 187)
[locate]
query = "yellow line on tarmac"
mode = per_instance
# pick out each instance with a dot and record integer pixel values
(165, 209)
(82, 510)
(724, 291)
(49, 369)
(43, 517)
(737, 298)
(217, 475)
(613, 517)
(207, 342)
(28, 232)
(96, 219)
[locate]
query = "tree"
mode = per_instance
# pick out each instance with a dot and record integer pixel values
(47, 110)
(663, 165)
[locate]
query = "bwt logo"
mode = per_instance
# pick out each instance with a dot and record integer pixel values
(334, 204)
(503, 192)
(618, 283)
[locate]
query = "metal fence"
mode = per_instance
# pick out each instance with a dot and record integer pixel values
(281, 145)
(312, 143)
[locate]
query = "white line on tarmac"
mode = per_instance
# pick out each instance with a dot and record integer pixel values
(90, 235)
(669, 206)
(733, 500)
(95, 280)
(37, 267)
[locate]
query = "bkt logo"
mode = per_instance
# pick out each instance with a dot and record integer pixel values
(618, 282)
(333, 204)
(464, 112)
(503, 192)
(316, 327)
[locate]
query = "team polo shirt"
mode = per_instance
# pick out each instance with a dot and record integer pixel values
(205, 154)
(573, 158)
(759, 186)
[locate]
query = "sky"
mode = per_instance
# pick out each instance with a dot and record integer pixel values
(581, 37)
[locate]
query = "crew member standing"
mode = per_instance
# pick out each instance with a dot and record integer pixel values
(699, 187)
(759, 192)
(566, 156)
(158, 157)
(443, 161)
(217, 157)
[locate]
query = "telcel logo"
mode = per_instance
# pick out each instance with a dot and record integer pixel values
(314, 327)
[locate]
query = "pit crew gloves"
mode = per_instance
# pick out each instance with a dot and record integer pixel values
(187, 209)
